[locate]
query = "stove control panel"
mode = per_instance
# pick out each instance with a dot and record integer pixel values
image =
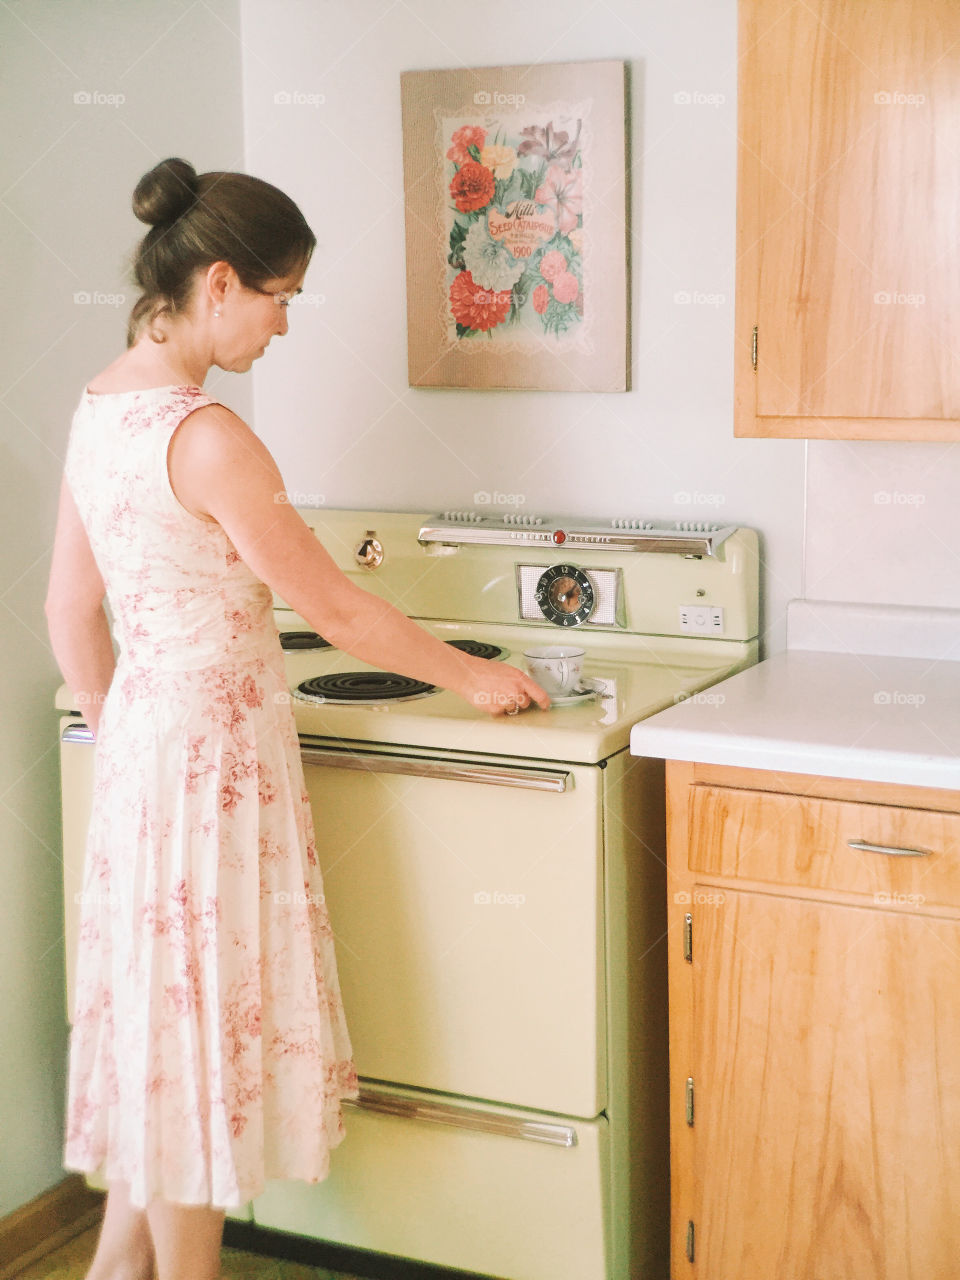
(442, 569)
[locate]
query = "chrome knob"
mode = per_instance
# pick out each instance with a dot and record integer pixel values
(369, 552)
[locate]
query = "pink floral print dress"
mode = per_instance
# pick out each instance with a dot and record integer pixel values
(208, 1048)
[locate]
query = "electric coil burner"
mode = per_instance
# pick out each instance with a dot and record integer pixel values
(302, 640)
(363, 686)
(478, 649)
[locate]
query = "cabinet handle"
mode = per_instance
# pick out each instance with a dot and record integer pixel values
(888, 848)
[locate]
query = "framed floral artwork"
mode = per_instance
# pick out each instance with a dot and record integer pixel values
(516, 227)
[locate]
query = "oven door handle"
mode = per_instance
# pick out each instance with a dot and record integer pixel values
(395, 1104)
(452, 770)
(416, 766)
(78, 733)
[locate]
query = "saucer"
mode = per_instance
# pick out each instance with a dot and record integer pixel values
(572, 699)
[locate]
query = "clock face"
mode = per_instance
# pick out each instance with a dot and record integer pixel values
(565, 595)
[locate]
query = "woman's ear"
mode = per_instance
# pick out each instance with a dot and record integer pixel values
(219, 279)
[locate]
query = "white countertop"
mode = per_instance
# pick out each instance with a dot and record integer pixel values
(843, 714)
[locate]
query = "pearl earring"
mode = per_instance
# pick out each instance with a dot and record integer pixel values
(217, 313)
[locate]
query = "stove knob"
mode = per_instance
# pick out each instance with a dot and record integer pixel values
(369, 552)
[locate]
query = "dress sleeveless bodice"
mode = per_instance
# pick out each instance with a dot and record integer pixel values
(180, 595)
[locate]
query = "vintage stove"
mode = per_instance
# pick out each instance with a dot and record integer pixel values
(497, 888)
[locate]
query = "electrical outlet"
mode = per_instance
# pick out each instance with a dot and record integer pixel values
(701, 619)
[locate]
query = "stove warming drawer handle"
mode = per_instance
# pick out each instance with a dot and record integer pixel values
(395, 1104)
(460, 771)
(78, 733)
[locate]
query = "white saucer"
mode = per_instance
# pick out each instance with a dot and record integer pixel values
(572, 699)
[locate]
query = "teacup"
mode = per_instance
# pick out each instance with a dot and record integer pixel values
(557, 668)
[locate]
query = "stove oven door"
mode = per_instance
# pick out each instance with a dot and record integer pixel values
(466, 902)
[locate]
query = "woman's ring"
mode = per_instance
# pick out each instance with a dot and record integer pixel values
(514, 710)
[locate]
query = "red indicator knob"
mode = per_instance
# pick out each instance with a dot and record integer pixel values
(559, 535)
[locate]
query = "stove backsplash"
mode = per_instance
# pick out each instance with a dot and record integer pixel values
(481, 583)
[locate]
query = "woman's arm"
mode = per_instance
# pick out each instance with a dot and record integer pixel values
(220, 469)
(77, 622)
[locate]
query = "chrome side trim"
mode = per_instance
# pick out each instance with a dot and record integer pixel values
(683, 542)
(395, 1104)
(78, 733)
(451, 770)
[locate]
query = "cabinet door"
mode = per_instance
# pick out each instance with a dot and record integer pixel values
(848, 205)
(826, 1060)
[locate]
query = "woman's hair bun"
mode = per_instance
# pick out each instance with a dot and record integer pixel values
(166, 192)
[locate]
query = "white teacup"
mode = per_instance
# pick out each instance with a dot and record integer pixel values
(557, 668)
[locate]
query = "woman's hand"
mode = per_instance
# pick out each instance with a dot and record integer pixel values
(500, 689)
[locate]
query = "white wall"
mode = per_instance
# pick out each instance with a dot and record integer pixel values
(68, 171)
(882, 523)
(332, 401)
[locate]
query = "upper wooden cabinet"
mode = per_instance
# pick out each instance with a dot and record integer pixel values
(848, 271)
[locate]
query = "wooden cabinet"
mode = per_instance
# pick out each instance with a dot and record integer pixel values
(848, 204)
(814, 1027)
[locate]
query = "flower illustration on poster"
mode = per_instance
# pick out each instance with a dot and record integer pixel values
(515, 227)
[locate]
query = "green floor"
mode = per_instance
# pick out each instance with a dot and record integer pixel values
(70, 1262)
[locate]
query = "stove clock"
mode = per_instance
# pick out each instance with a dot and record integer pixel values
(565, 595)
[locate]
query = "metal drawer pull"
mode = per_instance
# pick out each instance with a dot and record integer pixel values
(395, 1104)
(888, 848)
(77, 733)
(497, 775)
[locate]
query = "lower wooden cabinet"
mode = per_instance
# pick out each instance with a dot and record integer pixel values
(814, 954)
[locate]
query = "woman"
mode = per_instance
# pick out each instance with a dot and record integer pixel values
(209, 1049)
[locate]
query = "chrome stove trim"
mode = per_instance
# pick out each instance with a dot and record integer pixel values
(396, 1104)
(421, 767)
(660, 538)
(78, 733)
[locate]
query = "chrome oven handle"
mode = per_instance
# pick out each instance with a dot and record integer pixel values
(78, 733)
(395, 1104)
(452, 770)
(380, 762)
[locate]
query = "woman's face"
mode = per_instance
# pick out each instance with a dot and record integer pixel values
(250, 318)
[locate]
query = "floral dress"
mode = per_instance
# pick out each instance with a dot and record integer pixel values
(208, 1048)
